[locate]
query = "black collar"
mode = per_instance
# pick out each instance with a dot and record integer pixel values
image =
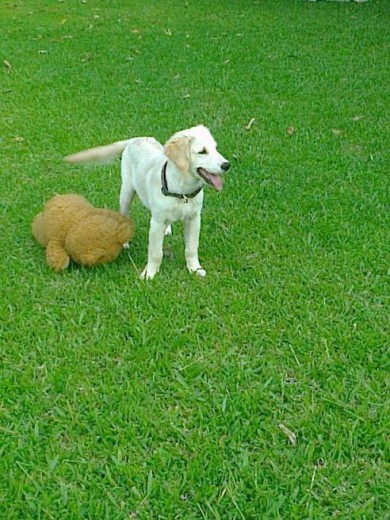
(167, 193)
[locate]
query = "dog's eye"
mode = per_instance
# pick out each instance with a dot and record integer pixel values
(203, 151)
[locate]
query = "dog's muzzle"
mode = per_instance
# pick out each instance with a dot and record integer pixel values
(213, 179)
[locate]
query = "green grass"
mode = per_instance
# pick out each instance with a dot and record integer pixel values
(122, 399)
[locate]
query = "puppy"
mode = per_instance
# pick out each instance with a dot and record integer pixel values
(169, 180)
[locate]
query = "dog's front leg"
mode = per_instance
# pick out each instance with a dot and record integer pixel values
(191, 236)
(155, 251)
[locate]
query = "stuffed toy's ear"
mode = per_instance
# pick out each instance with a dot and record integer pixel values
(177, 149)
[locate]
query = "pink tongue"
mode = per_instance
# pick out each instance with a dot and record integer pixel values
(216, 181)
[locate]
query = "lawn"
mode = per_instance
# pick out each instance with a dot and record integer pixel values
(261, 391)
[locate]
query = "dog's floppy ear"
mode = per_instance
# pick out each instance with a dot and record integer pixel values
(178, 150)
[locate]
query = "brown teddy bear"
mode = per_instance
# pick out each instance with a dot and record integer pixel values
(72, 229)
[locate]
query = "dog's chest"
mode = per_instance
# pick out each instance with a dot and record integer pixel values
(181, 210)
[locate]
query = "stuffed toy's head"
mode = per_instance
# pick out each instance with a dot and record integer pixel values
(70, 228)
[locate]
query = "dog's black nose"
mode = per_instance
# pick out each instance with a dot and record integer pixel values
(225, 166)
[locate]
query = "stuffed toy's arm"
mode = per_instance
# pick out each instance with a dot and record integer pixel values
(56, 256)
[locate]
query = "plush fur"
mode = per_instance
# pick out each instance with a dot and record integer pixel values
(193, 161)
(70, 228)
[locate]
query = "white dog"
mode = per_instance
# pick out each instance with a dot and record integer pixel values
(169, 181)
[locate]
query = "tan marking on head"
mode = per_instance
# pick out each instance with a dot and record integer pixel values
(177, 149)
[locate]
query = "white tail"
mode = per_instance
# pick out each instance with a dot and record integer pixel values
(99, 155)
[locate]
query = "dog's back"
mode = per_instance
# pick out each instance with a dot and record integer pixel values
(143, 151)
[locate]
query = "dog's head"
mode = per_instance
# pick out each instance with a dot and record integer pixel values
(194, 151)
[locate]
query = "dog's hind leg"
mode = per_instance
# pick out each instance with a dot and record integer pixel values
(127, 188)
(127, 192)
(125, 199)
(126, 195)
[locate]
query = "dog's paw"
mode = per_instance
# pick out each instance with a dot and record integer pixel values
(147, 274)
(126, 245)
(168, 230)
(199, 272)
